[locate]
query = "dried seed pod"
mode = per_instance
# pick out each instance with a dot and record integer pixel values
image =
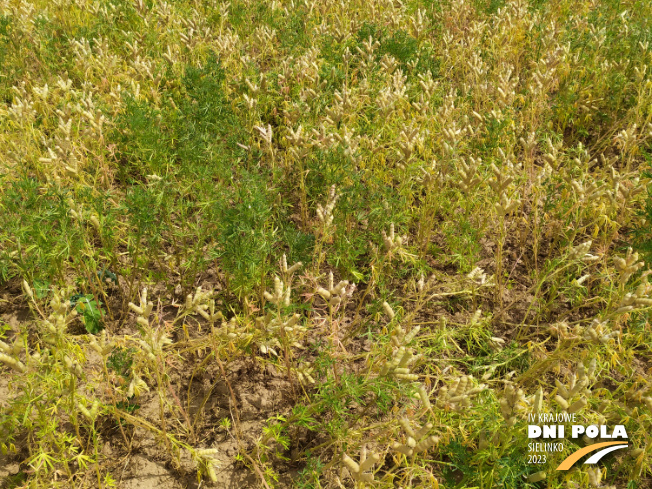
(467, 179)
(424, 396)
(335, 294)
(358, 471)
(416, 441)
(103, 346)
(388, 310)
(136, 386)
(506, 205)
(595, 476)
(577, 405)
(73, 366)
(636, 452)
(399, 366)
(304, 373)
(598, 332)
(537, 477)
(143, 310)
(28, 290)
(90, 414)
(13, 349)
(206, 463)
(400, 338)
(627, 266)
(281, 295)
(580, 251)
(512, 403)
(325, 213)
(391, 241)
(479, 277)
(266, 133)
(537, 403)
(84, 411)
(578, 386)
(13, 363)
(289, 270)
(458, 396)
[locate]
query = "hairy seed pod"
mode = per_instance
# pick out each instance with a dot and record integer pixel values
(28, 290)
(577, 405)
(12, 362)
(537, 477)
(388, 310)
(350, 463)
(423, 394)
(561, 401)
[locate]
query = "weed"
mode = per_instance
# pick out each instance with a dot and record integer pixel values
(91, 311)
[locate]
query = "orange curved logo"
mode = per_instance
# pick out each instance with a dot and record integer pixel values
(574, 457)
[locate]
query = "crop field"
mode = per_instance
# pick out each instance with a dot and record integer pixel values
(325, 244)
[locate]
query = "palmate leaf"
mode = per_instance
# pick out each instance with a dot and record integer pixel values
(91, 311)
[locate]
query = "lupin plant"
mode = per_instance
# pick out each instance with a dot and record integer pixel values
(158, 158)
